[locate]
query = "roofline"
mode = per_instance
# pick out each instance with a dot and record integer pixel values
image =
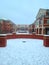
(40, 10)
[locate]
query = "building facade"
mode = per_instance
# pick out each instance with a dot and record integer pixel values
(42, 22)
(32, 28)
(7, 26)
(22, 27)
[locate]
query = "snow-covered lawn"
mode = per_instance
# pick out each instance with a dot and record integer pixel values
(24, 52)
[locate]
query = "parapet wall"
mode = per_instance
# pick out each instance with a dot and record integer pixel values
(3, 39)
(30, 36)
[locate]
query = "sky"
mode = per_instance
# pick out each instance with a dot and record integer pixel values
(21, 11)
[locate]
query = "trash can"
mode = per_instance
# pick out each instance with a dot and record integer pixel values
(46, 40)
(3, 40)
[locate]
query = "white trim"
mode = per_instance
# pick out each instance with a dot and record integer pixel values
(6, 34)
(46, 35)
(3, 34)
(38, 34)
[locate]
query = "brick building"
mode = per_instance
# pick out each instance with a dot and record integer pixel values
(42, 22)
(22, 27)
(32, 28)
(7, 26)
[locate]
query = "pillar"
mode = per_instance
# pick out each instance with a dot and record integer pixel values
(46, 41)
(2, 41)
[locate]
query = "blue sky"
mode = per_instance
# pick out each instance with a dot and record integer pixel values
(21, 11)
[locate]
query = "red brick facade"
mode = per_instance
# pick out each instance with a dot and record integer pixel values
(6, 27)
(3, 41)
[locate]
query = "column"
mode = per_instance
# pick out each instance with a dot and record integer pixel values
(46, 41)
(2, 41)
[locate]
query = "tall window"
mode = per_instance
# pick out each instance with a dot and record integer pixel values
(47, 12)
(47, 21)
(47, 31)
(39, 21)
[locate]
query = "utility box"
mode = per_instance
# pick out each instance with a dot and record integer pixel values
(3, 40)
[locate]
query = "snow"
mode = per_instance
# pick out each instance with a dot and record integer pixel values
(30, 52)
(2, 34)
(46, 35)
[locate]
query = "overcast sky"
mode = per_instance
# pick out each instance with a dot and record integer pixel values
(21, 11)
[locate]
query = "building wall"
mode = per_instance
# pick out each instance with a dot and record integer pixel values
(42, 22)
(22, 27)
(6, 27)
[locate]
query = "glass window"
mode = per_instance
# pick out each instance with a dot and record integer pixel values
(47, 21)
(48, 32)
(39, 21)
(48, 13)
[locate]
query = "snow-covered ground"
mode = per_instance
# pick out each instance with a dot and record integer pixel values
(24, 52)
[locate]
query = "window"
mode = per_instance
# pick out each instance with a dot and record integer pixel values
(47, 21)
(48, 13)
(39, 21)
(47, 31)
